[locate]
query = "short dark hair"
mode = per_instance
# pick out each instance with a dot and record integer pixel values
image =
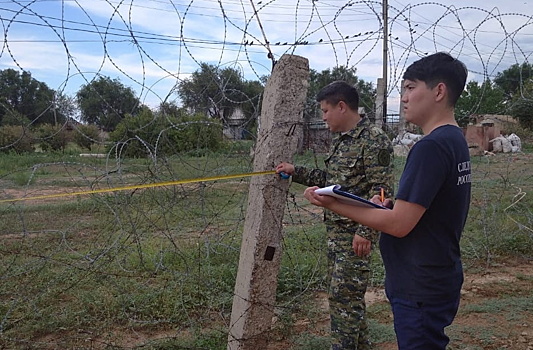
(440, 67)
(339, 91)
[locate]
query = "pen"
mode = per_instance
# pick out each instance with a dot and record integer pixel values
(382, 194)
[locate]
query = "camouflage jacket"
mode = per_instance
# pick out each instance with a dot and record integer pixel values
(359, 160)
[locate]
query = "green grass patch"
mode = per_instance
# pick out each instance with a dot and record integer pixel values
(165, 259)
(509, 307)
(311, 342)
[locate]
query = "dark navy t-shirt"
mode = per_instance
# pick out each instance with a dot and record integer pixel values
(426, 265)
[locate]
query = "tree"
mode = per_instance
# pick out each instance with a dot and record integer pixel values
(170, 109)
(206, 90)
(512, 80)
(517, 84)
(217, 92)
(65, 106)
(521, 106)
(15, 118)
(105, 102)
(484, 98)
(21, 93)
(367, 92)
(250, 103)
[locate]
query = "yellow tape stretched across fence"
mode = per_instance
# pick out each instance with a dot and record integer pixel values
(132, 187)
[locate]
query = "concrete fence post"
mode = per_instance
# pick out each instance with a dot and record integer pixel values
(280, 133)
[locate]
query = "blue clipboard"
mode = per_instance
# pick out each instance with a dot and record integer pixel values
(346, 197)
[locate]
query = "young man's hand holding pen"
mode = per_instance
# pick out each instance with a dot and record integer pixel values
(381, 200)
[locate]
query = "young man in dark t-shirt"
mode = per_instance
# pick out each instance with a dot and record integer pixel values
(421, 234)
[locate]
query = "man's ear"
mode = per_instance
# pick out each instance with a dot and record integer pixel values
(441, 91)
(342, 106)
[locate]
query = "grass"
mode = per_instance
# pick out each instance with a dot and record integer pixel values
(488, 314)
(312, 342)
(499, 217)
(162, 262)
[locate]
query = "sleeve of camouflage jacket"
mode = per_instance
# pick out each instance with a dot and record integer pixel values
(378, 164)
(309, 176)
(378, 159)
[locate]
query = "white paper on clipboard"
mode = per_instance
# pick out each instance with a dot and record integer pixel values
(346, 197)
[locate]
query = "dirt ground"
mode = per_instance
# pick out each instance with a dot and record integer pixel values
(496, 311)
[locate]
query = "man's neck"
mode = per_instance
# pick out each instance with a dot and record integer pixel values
(352, 123)
(438, 120)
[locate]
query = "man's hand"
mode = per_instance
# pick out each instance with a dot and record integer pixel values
(317, 199)
(361, 246)
(387, 203)
(286, 168)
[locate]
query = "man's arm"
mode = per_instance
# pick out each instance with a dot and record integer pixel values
(303, 175)
(397, 222)
(377, 157)
(378, 160)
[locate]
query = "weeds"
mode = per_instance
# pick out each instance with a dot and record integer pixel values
(85, 269)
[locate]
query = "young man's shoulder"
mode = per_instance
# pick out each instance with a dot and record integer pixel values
(445, 131)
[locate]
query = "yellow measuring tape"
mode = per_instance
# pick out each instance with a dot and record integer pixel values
(132, 187)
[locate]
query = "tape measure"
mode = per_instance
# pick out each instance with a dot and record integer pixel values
(152, 185)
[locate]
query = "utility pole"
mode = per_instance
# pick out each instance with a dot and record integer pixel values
(380, 98)
(385, 57)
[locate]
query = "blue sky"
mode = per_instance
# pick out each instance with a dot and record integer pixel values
(150, 45)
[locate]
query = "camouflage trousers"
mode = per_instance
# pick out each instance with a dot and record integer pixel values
(349, 279)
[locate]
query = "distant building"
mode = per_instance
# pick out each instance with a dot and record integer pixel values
(484, 129)
(234, 128)
(503, 122)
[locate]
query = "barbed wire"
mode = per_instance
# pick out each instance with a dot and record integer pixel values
(130, 263)
(357, 44)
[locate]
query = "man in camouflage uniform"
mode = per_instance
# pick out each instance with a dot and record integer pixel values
(360, 160)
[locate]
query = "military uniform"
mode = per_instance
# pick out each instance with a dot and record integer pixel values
(359, 160)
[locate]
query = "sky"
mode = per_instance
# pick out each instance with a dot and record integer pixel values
(152, 45)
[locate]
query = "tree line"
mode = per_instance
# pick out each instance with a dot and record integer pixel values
(30, 110)
(510, 93)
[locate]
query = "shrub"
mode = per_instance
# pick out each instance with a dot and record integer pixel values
(15, 138)
(192, 133)
(15, 118)
(86, 135)
(151, 134)
(53, 137)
